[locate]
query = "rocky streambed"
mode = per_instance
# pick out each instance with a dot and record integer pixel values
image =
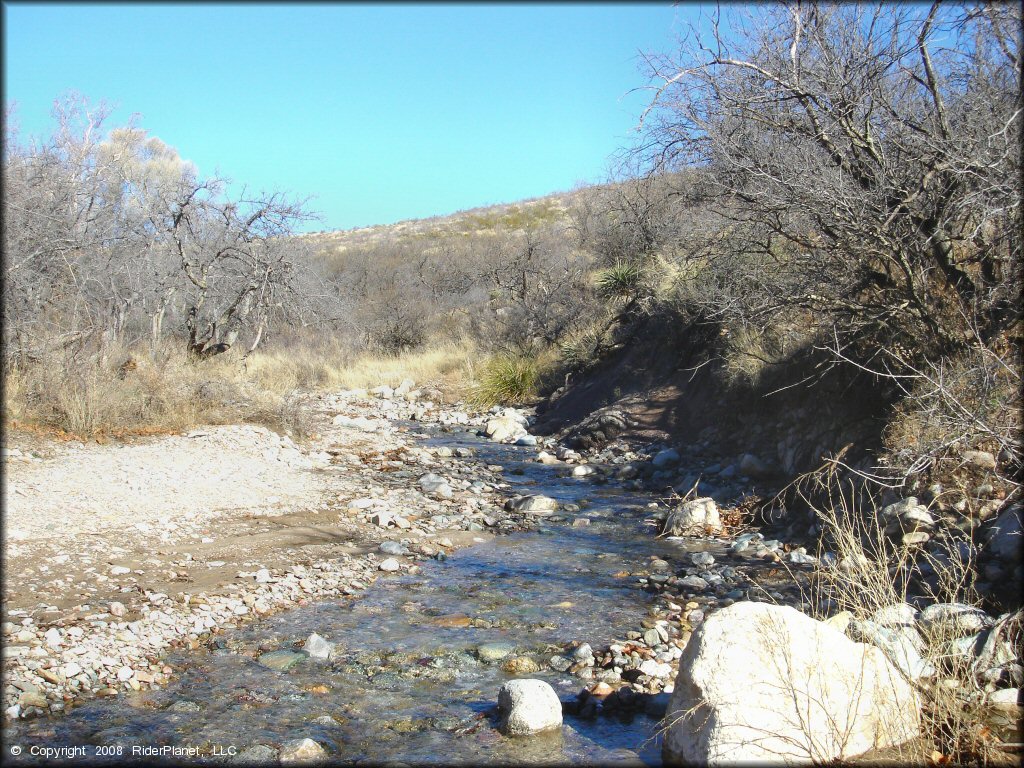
(486, 558)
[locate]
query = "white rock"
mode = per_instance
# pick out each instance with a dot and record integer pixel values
(528, 706)
(119, 570)
(318, 647)
(655, 669)
(504, 428)
(582, 470)
(691, 516)
(125, 674)
(390, 565)
(53, 637)
(761, 683)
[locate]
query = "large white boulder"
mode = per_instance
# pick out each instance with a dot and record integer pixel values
(760, 683)
(528, 706)
(693, 516)
(504, 428)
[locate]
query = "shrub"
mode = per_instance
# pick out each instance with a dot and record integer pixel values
(508, 380)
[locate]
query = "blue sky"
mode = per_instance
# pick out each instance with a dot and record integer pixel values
(378, 112)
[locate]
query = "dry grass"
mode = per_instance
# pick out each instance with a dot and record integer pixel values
(448, 367)
(165, 391)
(871, 572)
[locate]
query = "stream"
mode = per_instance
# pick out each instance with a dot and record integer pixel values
(405, 683)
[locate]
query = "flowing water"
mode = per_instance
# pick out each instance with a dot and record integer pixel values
(405, 683)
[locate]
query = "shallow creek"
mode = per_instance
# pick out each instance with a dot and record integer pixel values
(405, 683)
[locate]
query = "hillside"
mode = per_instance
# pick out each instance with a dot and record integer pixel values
(532, 213)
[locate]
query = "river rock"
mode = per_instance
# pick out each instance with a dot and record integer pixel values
(532, 505)
(280, 661)
(692, 517)
(496, 651)
(520, 665)
(528, 706)
(257, 754)
(302, 751)
(504, 428)
(393, 548)
(763, 683)
(390, 565)
(583, 652)
(702, 559)
(318, 647)
(666, 458)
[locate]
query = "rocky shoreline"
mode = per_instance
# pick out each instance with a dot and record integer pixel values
(105, 649)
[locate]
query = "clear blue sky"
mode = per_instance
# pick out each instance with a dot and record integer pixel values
(377, 112)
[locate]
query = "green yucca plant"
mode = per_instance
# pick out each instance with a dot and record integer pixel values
(623, 280)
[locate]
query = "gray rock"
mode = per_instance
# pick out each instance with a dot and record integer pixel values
(528, 706)
(184, 706)
(802, 558)
(702, 559)
(393, 548)
(583, 652)
(695, 583)
(1008, 698)
(528, 440)
(281, 661)
(257, 754)
(504, 428)
(745, 541)
(435, 484)
(900, 646)
(489, 652)
(1005, 535)
(666, 458)
(895, 615)
(751, 466)
(954, 619)
(559, 663)
(318, 647)
(532, 505)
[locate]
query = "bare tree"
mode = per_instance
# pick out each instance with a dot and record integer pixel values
(870, 153)
(108, 233)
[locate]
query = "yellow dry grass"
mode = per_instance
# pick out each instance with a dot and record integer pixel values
(163, 390)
